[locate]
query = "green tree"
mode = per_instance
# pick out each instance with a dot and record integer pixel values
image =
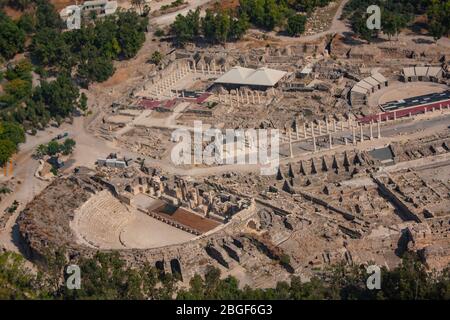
(48, 48)
(392, 23)
(266, 14)
(18, 89)
(83, 102)
(12, 38)
(359, 26)
(439, 18)
(13, 132)
(46, 16)
(60, 96)
(156, 57)
(239, 26)
(186, 28)
(16, 281)
(130, 33)
(296, 25)
(53, 148)
(7, 149)
(437, 30)
(41, 151)
(96, 69)
(27, 23)
(67, 146)
(22, 70)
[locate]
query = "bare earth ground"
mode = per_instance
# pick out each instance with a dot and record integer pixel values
(147, 232)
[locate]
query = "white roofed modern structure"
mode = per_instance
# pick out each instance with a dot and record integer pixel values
(361, 91)
(411, 74)
(260, 79)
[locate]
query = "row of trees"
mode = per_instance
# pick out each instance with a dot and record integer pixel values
(216, 27)
(91, 50)
(12, 38)
(397, 15)
(409, 281)
(220, 26)
(33, 108)
(270, 14)
(106, 276)
(439, 18)
(54, 147)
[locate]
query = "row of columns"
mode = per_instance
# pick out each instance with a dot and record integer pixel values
(330, 137)
(167, 82)
(322, 128)
(208, 70)
(333, 127)
(243, 97)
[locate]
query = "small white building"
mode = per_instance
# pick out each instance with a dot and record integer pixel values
(72, 14)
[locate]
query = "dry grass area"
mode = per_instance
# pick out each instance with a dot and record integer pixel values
(60, 4)
(224, 4)
(120, 75)
(12, 13)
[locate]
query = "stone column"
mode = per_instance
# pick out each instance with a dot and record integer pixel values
(371, 130)
(330, 140)
(304, 130)
(379, 129)
(290, 143)
(362, 132)
(354, 135)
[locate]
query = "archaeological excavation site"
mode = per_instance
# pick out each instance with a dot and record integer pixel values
(271, 153)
